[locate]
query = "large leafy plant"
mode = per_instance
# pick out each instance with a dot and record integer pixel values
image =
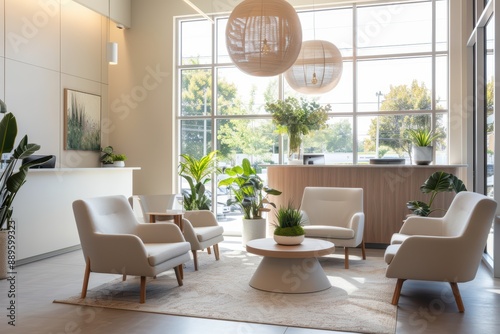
(248, 189)
(437, 183)
(297, 118)
(197, 173)
(11, 180)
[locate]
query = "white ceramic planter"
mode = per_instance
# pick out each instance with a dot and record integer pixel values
(119, 164)
(289, 240)
(253, 229)
(422, 155)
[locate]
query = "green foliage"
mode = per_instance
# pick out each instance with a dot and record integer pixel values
(108, 156)
(10, 181)
(288, 221)
(422, 136)
(197, 173)
(297, 118)
(82, 133)
(437, 183)
(248, 189)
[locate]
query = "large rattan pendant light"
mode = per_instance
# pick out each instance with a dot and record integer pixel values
(263, 37)
(318, 68)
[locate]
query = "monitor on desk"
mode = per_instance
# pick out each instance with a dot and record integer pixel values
(314, 159)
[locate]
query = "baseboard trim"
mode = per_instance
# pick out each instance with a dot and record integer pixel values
(47, 255)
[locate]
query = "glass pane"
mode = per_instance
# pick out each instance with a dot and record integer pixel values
(196, 92)
(442, 83)
(398, 28)
(405, 84)
(196, 137)
(335, 142)
(490, 119)
(196, 42)
(340, 98)
(442, 25)
(222, 54)
(332, 25)
(241, 94)
(441, 144)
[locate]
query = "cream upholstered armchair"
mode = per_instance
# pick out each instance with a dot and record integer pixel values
(447, 249)
(201, 229)
(114, 242)
(336, 215)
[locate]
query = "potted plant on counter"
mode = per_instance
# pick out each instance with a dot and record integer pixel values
(422, 150)
(288, 226)
(11, 180)
(251, 195)
(297, 118)
(111, 159)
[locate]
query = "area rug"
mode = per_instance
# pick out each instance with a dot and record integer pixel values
(358, 301)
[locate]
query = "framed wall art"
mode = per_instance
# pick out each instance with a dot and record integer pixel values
(82, 121)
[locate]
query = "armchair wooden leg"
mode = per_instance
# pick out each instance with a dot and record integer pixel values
(346, 261)
(143, 289)
(178, 275)
(458, 297)
(209, 251)
(195, 260)
(181, 271)
(397, 291)
(363, 250)
(216, 252)
(124, 277)
(86, 277)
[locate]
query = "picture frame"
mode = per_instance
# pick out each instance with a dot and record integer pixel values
(82, 121)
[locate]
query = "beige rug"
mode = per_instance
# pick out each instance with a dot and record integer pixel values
(358, 301)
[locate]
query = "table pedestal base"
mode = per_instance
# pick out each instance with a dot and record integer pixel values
(289, 275)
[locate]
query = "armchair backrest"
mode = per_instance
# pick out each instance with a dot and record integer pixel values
(330, 205)
(157, 203)
(106, 214)
(466, 212)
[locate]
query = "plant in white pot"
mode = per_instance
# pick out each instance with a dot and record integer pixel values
(11, 179)
(111, 159)
(251, 195)
(422, 150)
(288, 226)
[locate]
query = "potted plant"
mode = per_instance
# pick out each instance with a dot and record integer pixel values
(288, 226)
(297, 118)
(11, 180)
(197, 173)
(111, 159)
(422, 150)
(438, 182)
(251, 195)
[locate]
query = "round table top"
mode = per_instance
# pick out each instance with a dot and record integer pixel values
(308, 248)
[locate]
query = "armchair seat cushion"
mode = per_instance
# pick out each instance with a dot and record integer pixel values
(332, 232)
(398, 238)
(390, 252)
(161, 252)
(208, 232)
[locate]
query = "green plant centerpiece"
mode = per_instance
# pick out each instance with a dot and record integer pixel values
(109, 158)
(250, 192)
(197, 172)
(297, 118)
(422, 150)
(437, 183)
(288, 226)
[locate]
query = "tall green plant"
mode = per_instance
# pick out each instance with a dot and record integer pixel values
(437, 183)
(10, 180)
(197, 173)
(248, 189)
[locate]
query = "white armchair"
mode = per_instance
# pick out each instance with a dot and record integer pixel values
(114, 242)
(336, 215)
(446, 249)
(201, 229)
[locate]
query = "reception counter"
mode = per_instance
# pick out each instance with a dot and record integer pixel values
(387, 188)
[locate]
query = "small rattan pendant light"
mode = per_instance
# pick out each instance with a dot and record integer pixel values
(263, 37)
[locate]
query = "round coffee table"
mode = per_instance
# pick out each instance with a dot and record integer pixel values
(290, 269)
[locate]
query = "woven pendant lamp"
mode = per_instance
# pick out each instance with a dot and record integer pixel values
(318, 68)
(263, 37)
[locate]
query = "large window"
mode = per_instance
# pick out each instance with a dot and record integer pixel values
(395, 76)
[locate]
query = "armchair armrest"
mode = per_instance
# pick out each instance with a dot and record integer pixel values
(305, 218)
(159, 233)
(417, 225)
(201, 218)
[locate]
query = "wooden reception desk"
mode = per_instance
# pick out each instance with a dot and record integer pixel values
(387, 188)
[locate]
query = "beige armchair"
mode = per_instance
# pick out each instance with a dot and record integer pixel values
(201, 229)
(447, 249)
(336, 215)
(114, 242)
